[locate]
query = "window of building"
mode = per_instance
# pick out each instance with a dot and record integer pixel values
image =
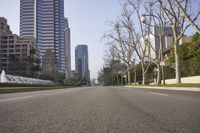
(4, 51)
(11, 37)
(11, 46)
(4, 55)
(11, 50)
(4, 41)
(4, 37)
(11, 41)
(17, 50)
(24, 55)
(4, 65)
(3, 60)
(24, 51)
(17, 55)
(3, 46)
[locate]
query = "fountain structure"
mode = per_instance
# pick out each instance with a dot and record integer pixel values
(3, 77)
(23, 80)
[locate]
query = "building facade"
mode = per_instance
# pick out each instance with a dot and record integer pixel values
(50, 70)
(155, 40)
(4, 27)
(31, 20)
(67, 49)
(16, 52)
(44, 20)
(81, 62)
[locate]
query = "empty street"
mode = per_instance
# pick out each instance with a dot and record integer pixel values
(100, 110)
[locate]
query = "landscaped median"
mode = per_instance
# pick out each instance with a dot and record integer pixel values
(11, 89)
(181, 87)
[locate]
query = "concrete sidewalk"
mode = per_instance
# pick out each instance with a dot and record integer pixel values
(196, 89)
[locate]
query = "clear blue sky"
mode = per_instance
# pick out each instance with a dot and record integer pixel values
(88, 20)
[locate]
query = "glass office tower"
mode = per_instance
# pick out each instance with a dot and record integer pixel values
(31, 20)
(67, 48)
(44, 20)
(81, 62)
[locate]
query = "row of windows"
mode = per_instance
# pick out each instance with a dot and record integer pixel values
(5, 41)
(12, 50)
(12, 46)
(23, 14)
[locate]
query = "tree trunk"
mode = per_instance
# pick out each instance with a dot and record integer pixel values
(143, 74)
(177, 62)
(118, 83)
(135, 77)
(122, 79)
(143, 78)
(158, 75)
(163, 75)
(129, 77)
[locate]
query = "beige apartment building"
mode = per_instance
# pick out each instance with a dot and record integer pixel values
(16, 53)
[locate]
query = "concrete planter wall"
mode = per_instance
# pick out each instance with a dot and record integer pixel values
(193, 80)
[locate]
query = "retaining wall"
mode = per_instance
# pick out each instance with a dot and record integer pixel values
(194, 79)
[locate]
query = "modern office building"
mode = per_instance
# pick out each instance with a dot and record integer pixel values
(44, 19)
(50, 70)
(31, 20)
(81, 62)
(167, 32)
(67, 49)
(16, 51)
(167, 40)
(155, 40)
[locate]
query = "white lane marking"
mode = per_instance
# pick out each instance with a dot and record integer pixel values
(44, 94)
(16, 98)
(155, 93)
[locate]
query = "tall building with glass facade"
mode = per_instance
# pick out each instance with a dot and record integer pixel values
(31, 20)
(67, 48)
(81, 62)
(44, 19)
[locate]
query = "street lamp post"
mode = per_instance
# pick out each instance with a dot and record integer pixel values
(135, 72)
(125, 78)
(134, 67)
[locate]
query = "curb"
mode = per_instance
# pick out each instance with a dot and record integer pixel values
(5, 91)
(196, 89)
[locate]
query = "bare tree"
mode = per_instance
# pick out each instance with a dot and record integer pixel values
(100, 76)
(137, 37)
(112, 60)
(122, 51)
(183, 7)
(179, 26)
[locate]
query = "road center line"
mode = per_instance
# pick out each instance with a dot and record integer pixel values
(16, 98)
(155, 93)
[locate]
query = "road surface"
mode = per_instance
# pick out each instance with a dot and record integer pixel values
(100, 110)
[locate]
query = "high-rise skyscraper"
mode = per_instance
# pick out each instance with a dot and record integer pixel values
(31, 20)
(81, 62)
(67, 48)
(44, 19)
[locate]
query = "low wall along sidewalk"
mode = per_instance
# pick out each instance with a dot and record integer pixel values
(193, 80)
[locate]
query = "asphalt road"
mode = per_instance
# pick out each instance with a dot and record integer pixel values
(100, 110)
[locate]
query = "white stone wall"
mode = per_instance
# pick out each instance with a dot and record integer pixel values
(194, 79)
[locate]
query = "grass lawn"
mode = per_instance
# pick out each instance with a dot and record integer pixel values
(28, 88)
(172, 85)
